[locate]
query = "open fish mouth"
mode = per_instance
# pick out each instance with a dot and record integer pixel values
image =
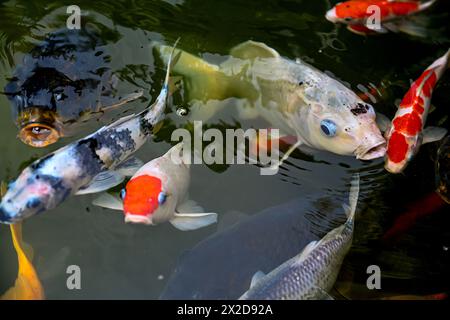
(373, 152)
(38, 135)
(134, 218)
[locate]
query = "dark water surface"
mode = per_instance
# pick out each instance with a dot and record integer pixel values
(118, 260)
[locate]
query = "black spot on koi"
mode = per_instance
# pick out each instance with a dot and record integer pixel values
(117, 142)
(88, 157)
(145, 126)
(360, 108)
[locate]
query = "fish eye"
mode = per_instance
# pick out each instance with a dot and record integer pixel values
(123, 193)
(33, 203)
(162, 198)
(328, 127)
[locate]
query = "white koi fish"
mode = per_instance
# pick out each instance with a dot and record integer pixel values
(157, 193)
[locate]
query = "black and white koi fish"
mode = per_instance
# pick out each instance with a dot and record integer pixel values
(92, 164)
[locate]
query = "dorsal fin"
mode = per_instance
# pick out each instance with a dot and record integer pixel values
(251, 50)
(256, 278)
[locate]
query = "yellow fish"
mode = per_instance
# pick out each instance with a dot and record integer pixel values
(27, 285)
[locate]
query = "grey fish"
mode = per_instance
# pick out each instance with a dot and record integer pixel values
(311, 274)
(92, 164)
(261, 241)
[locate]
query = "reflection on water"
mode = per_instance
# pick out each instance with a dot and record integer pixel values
(129, 261)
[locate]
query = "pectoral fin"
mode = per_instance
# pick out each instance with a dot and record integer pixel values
(432, 134)
(360, 30)
(108, 201)
(251, 50)
(102, 182)
(129, 167)
(413, 26)
(187, 221)
(383, 122)
(189, 206)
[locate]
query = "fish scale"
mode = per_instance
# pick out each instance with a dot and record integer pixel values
(312, 273)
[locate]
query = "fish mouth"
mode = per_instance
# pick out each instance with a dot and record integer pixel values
(331, 15)
(5, 217)
(373, 152)
(38, 135)
(138, 219)
(393, 167)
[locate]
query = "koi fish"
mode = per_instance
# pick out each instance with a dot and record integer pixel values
(63, 81)
(158, 193)
(311, 274)
(393, 15)
(92, 164)
(406, 133)
(291, 95)
(255, 243)
(27, 285)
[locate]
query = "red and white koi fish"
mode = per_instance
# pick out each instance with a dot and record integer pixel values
(393, 15)
(406, 133)
(158, 193)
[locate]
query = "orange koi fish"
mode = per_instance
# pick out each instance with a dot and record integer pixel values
(359, 16)
(406, 133)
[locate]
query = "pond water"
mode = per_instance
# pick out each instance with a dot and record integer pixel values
(124, 261)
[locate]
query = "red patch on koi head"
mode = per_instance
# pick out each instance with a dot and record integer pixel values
(397, 147)
(409, 123)
(141, 197)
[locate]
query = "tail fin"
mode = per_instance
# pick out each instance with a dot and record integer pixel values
(155, 113)
(202, 80)
(353, 198)
(441, 64)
